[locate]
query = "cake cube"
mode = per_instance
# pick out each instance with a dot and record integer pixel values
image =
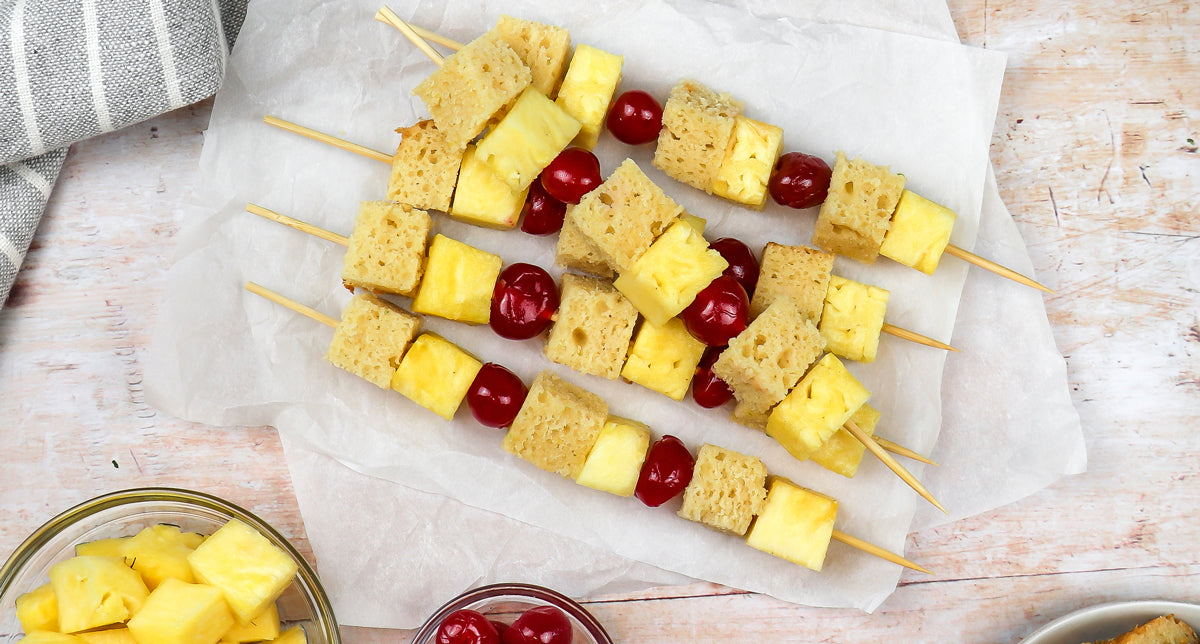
(527, 139)
(798, 272)
(697, 126)
(615, 461)
(843, 453)
(435, 374)
(858, 210)
(371, 338)
(853, 318)
(575, 250)
(95, 591)
(181, 613)
(824, 399)
(920, 232)
(587, 90)
(769, 357)
(727, 490)
(482, 198)
(593, 328)
(263, 628)
(624, 215)
(557, 425)
(668, 276)
(543, 48)
(663, 358)
(474, 85)
(424, 168)
(249, 570)
(37, 610)
(795, 524)
(386, 251)
(745, 171)
(458, 282)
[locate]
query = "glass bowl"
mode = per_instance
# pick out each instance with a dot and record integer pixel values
(124, 513)
(505, 602)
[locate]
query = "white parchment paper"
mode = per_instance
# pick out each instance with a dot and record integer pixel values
(225, 357)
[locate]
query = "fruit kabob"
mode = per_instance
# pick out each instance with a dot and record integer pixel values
(564, 429)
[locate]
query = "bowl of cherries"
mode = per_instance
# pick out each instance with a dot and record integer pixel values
(512, 614)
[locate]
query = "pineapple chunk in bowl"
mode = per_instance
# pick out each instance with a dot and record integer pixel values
(503, 603)
(303, 602)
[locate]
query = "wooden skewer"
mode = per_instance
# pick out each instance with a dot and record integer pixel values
(385, 14)
(887, 459)
(297, 224)
(987, 264)
(328, 138)
(291, 304)
(913, 336)
(433, 36)
(897, 448)
(877, 551)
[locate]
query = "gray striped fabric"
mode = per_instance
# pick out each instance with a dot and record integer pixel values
(72, 69)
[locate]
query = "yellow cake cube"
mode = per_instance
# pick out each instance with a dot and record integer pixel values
(557, 425)
(745, 171)
(37, 610)
(825, 398)
(261, 628)
(543, 48)
(95, 591)
(615, 461)
(575, 250)
(663, 358)
(159, 552)
(386, 251)
(727, 490)
(482, 198)
(250, 571)
(853, 318)
(181, 613)
(858, 210)
(458, 282)
(587, 90)
(697, 126)
(668, 276)
(527, 139)
(797, 272)
(920, 232)
(592, 328)
(436, 374)
(371, 338)
(424, 168)
(795, 524)
(842, 453)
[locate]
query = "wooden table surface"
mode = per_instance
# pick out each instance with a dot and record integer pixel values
(1096, 158)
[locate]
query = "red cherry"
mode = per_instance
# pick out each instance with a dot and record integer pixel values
(541, 625)
(495, 396)
(635, 118)
(543, 214)
(523, 301)
(500, 627)
(742, 265)
(719, 312)
(667, 470)
(572, 174)
(800, 180)
(466, 627)
(708, 390)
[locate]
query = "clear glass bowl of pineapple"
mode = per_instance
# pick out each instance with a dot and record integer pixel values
(504, 604)
(170, 521)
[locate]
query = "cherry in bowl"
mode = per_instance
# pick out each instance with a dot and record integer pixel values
(503, 604)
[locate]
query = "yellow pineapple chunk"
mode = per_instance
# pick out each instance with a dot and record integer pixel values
(458, 282)
(920, 232)
(95, 591)
(699, 223)
(745, 171)
(667, 277)
(436, 374)
(263, 627)
(663, 358)
(293, 635)
(181, 613)
(101, 548)
(587, 90)
(160, 552)
(481, 198)
(795, 524)
(824, 399)
(37, 610)
(843, 453)
(527, 139)
(852, 318)
(616, 458)
(48, 637)
(250, 570)
(109, 636)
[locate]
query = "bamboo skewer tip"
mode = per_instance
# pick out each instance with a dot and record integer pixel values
(875, 550)
(989, 265)
(385, 14)
(891, 463)
(913, 336)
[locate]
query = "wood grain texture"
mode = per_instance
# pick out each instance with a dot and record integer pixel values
(1096, 158)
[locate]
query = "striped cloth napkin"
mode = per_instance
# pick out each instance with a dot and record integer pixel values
(72, 69)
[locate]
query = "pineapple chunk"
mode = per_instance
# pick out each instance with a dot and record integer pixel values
(527, 139)
(749, 159)
(920, 232)
(436, 374)
(667, 277)
(95, 591)
(181, 613)
(160, 552)
(852, 318)
(795, 524)
(458, 282)
(250, 570)
(616, 458)
(699, 223)
(263, 627)
(110, 636)
(824, 399)
(587, 90)
(293, 635)
(48, 637)
(37, 610)
(663, 358)
(842, 453)
(101, 548)
(481, 198)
